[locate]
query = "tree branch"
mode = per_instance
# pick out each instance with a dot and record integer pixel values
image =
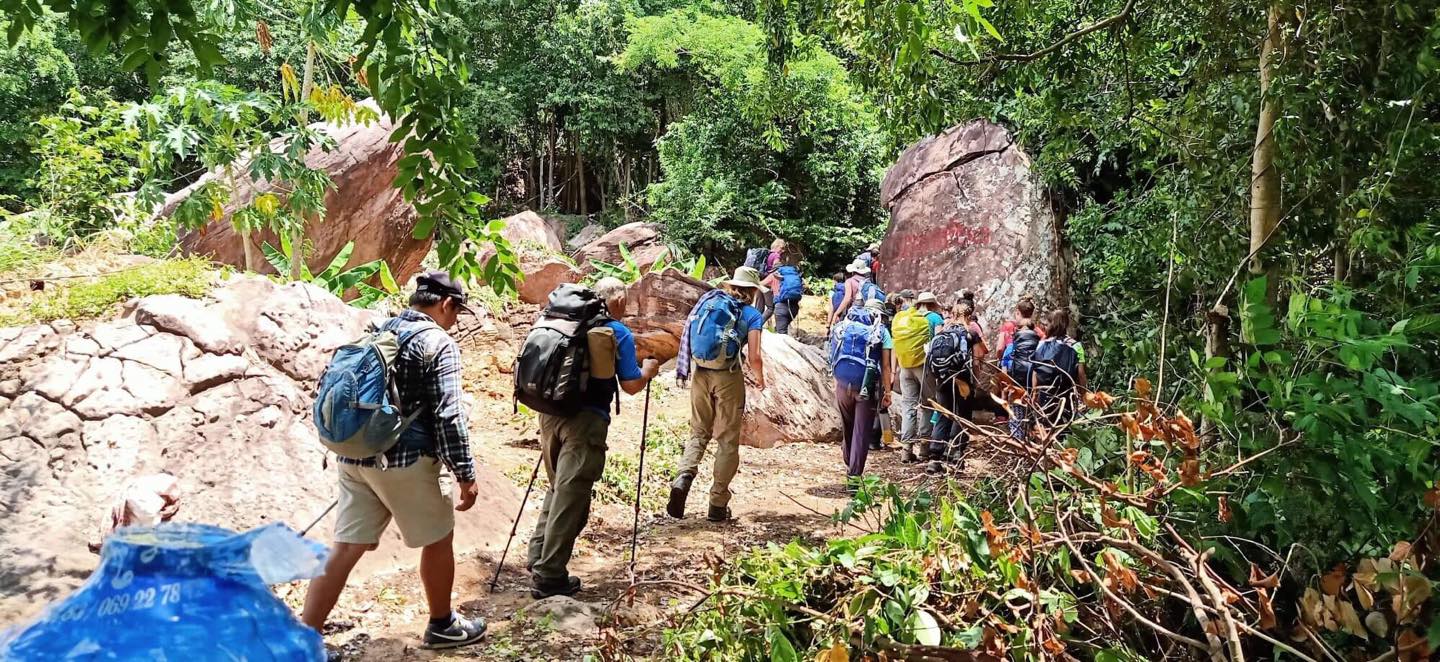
(1101, 24)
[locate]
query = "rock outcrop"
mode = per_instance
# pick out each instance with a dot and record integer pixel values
(642, 240)
(966, 212)
(216, 392)
(364, 206)
(798, 403)
(540, 250)
(587, 234)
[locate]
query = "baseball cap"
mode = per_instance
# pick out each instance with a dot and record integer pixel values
(441, 284)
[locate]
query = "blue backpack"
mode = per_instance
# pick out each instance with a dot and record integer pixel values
(717, 333)
(869, 290)
(357, 409)
(792, 287)
(837, 295)
(850, 341)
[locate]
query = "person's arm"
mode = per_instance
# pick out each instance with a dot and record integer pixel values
(757, 362)
(451, 429)
(887, 377)
(647, 373)
(1084, 383)
(633, 377)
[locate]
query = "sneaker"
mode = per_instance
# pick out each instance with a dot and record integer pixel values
(679, 492)
(719, 514)
(544, 589)
(460, 632)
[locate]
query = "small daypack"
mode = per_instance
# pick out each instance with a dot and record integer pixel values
(792, 286)
(357, 407)
(1022, 351)
(911, 331)
(717, 334)
(949, 356)
(869, 290)
(851, 338)
(837, 295)
(552, 371)
(1055, 365)
(755, 259)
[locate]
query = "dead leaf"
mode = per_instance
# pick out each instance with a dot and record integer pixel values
(836, 653)
(1410, 598)
(1365, 574)
(1432, 497)
(1142, 387)
(1259, 580)
(1267, 609)
(988, 522)
(1053, 646)
(1350, 620)
(1123, 575)
(1098, 400)
(1375, 622)
(1080, 575)
(1130, 425)
(1184, 432)
(1366, 598)
(1190, 472)
(1334, 580)
(1400, 552)
(263, 37)
(1310, 607)
(1138, 458)
(1223, 503)
(1411, 647)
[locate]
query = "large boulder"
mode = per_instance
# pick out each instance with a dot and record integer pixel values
(213, 391)
(363, 207)
(967, 212)
(542, 276)
(587, 234)
(539, 250)
(641, 240)
(798, 403)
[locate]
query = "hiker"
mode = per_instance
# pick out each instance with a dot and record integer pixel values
(404, 483)
(764, 261)
(837, 293)
(720, 331)
(774, 259)
(954, 351)
(786, 287)
(1024, 317)
(1016, 363)
(858, 290)
(870, 258)
(1057, 371)
(860, 348)
(912, 329)
(573, 447)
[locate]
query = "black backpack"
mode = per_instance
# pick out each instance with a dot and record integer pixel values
(552, 371)
(1022, 351)
(949, 356)
(1055, 366)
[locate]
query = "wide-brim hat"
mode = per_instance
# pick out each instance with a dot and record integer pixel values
(745, 277)
(927, 297)
(858, 268)
(875, 305)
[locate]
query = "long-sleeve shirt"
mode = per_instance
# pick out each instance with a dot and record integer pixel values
(427, 377)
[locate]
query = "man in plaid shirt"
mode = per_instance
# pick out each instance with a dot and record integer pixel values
(405, 482)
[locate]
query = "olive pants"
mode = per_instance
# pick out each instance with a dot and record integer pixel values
(573, 450)
(717, 405)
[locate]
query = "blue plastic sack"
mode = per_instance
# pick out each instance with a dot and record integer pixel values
(181, 591)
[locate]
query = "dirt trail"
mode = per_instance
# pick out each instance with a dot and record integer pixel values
(781, 494)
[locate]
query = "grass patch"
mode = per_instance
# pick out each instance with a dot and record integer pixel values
(91, 298)
(662, 456)
(18, 254)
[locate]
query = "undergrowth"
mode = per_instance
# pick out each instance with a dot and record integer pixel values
(91, 298)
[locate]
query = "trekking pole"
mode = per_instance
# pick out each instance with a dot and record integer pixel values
(639, 482)
(495, 581)
(317, 519)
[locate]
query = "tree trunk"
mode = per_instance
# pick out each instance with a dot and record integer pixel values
(297, 235)
(1264, 175)
(580, 170)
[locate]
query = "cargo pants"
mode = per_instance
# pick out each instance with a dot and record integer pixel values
(717, 408)
(573, 451)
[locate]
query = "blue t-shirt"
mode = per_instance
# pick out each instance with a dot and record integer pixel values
(752, 319)
(851, 374)
(935, 320)
(627, 368)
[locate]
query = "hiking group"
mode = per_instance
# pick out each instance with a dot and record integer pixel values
(934, 357)
(389, 406)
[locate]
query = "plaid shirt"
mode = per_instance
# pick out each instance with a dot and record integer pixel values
(427, 375)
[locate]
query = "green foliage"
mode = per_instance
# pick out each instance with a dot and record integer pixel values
(759, 152)
(86, 159)
(630, 272)
(88, 299)
(336, 278)
(35, 77)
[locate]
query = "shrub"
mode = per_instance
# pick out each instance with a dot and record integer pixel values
(191, 277)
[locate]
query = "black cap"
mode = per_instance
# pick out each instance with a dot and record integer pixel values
(440, 283)
(907, 294)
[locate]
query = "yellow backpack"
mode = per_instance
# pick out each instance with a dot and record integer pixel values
(911, 332)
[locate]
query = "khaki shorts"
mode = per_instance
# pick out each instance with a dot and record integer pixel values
(417, 497)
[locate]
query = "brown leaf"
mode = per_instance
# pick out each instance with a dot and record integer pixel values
(1334, 580)
(1138, 458)
(1190, 472)
(1267, 609)
(1259, 580)
(988, 522)
(836, 653)
(1432, 497)
(1366, 598)
(263, 37)
(1098, 400)
(1223, 503)
(1080, 575)
(1365, 575)
(1142, 387)
(1311, 607)
(1350, 620)
(1130, 425)
(1184, 432)
(1053, 646)
(1400, 552)
(1411, 647)
(1410, 598)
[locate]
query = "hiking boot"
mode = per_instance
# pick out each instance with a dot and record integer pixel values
(679, 492)
(544, 589)
(719, 514)
(935, 468)
(460, 632)
(907, 454)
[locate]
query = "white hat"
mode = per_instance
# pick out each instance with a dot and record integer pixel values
(857, 268)
(745, 277)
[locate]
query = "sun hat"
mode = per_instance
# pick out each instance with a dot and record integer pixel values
(927, 297)
(875, 305)
(745, 277)
(858, 268)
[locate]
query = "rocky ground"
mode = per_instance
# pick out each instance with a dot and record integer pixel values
(781, 494)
